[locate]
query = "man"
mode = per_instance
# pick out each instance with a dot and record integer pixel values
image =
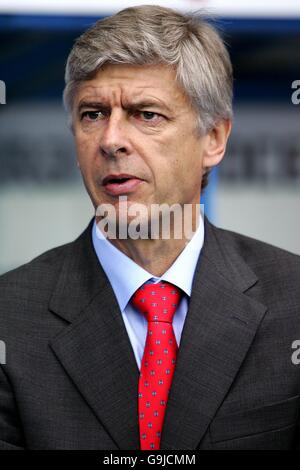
(151, 342)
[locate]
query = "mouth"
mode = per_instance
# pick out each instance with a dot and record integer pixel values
(116, 184)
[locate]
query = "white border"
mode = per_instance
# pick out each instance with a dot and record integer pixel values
(243, 8)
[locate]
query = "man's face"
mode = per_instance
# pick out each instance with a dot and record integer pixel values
(136, 120)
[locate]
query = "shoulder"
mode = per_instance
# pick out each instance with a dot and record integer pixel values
(277, 269)
(39, 276)
(257, 252)
(35, 279)
(30, 287)
(25, 293)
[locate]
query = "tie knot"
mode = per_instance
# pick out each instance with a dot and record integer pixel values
(158, 302)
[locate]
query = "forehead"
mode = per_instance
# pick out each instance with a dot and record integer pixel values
(129, 83)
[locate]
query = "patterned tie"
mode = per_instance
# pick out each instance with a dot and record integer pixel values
(158, 302)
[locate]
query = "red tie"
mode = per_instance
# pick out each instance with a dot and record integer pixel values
(158, 302)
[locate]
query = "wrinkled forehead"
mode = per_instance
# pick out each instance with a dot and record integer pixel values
(129, 85)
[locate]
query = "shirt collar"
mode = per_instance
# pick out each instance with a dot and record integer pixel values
(126, 276)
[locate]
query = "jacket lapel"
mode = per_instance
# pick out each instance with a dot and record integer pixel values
(220, 326)
(94, 349)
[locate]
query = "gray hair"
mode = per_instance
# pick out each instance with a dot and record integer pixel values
(150, 34)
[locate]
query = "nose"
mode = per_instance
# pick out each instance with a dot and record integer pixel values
(114, 136)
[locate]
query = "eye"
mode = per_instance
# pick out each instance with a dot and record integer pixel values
(148, 115)
(92, 115)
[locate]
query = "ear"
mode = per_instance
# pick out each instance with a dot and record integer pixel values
(216, 141)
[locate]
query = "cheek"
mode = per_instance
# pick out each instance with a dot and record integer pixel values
(81, 143)
(187, 165)
(183, 156)
(86, 148)
(164, 158)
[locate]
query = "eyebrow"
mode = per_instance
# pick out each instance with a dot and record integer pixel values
(133, 106)
(90, 104)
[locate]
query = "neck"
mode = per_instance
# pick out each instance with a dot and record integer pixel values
(155, 255)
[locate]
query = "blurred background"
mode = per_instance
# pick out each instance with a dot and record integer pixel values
(256, 188)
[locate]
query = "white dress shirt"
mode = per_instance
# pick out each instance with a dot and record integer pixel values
(126, 277)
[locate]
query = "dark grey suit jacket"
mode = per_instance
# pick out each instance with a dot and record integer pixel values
(70, 378)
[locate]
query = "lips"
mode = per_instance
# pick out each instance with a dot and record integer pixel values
(116, 184)
(118, 178)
